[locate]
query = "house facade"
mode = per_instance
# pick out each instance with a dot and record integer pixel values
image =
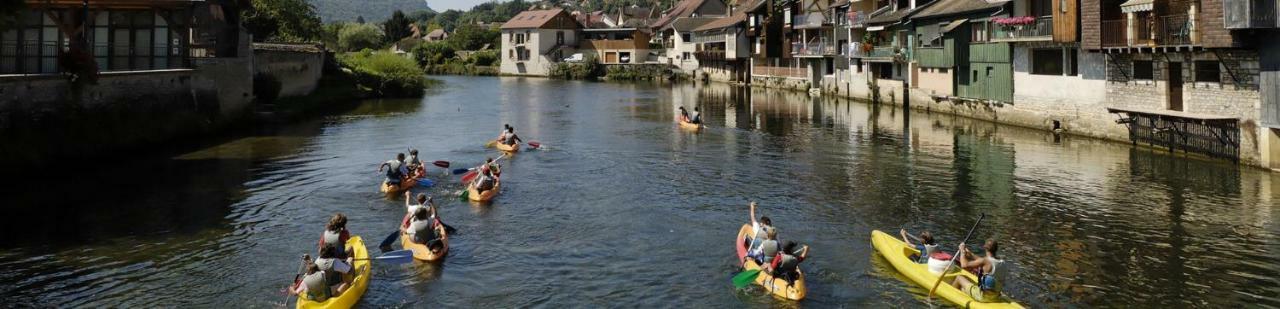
(616, 45)
(534, 41)
(723, 49)
(674, 30)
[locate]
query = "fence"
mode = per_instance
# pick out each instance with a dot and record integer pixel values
(780, 71)
(1041, 28)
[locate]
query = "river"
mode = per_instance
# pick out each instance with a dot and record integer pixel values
(624, 209)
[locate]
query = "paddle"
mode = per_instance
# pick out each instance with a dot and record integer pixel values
(461, 171)
(534, 145)
(745, 278)
(398, 256)
(441, 164)
(301, 268)
(386, 243)
(957, 256)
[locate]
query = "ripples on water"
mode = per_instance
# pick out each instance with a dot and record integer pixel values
(624, 209)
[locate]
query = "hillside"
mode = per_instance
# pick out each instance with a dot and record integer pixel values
(372, 10)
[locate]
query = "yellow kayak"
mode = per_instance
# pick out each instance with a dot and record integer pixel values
(899, 255)
(349, 297)
(689, 125)
(508, 148)
(475, 196)
(421, 252)
(777, 286)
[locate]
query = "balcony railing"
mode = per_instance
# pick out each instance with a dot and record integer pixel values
(780, 71)
(708, 55)
(883, 52)
(1039, 30)
(810, 20)
(813, 49)
(1150, 31)
(854, 50)
(857, 19)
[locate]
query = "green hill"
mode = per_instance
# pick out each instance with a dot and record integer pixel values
(371, 10)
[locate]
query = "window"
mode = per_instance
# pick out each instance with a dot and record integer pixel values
(1143, 69)
(857, 63)
(1208, 71)
(942, 70)
(559, 37)
(978, 32)
(511, 54)
(685, 56)
(685, 37)
(1046, 61)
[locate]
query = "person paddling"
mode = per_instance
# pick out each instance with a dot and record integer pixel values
(425, 228)
(512, 138)
(759, 229)
(927, 246)
(336, 270)
(396, 169)
(684, 114)
(414, 165)
(787, 264)
(697, 116)
(493, 167)
(486, 180)
(313, 284)
(336, 235)
(991, 273)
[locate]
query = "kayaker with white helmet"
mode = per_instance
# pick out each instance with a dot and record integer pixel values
(991, 273)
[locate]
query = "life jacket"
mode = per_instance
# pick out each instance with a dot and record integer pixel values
(413, 160)
(926, 252)
(757, 238)
(331, 276)
(697, 117)
(331, 238)
(993, 282)
(785, 263)
(769, 250)
(394, 173)
(422, 230)
(317, 288)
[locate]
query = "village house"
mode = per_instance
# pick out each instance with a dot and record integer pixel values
(534, 41)
(772, 57)
(722, 47)
(674, 30)
(616, 45)
(436, 35)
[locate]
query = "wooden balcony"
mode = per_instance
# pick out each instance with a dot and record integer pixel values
(779, 71)
(1170, 31)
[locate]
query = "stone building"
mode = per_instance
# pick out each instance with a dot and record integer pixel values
(533, 41)
(674, 30)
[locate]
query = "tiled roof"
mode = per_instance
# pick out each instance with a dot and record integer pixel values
(531, 19)
(718, 23)
(682, 9)
(690, 23)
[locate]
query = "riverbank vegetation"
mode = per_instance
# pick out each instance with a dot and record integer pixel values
(385, 74)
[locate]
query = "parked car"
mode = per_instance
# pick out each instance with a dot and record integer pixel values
(575, 58)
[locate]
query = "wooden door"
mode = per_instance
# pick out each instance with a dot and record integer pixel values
(1175, 86)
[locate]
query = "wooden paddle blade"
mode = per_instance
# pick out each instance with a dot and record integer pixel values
(745, 278)
(441, 164)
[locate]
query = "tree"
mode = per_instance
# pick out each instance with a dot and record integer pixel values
(329, 34)
(429, 53)
(282, 20)
(359, 36)
(422, 16)
(359, 19)
(473, 37)
(396, 27)
(448, 19)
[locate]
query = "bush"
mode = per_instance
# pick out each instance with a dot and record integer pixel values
(386, 74)
(266, 88)
(635, 72)
(359, 36)
(484, 57)
(429, 53)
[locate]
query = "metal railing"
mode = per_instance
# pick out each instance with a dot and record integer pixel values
(1150, 31)
(1175, 30)
(854, 50)
(809, 20)
(1042, 28)
(883, 52)
(821, 48)
(857, 19)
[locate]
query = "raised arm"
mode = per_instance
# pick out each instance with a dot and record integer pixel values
(905, 239)
(753, 213)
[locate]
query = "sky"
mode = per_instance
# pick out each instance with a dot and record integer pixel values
(461, 5)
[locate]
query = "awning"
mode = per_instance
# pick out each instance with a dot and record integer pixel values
(953, 25)
(876, 28)
(1132, 6)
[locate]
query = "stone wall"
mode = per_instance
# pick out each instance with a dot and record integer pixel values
(298, 67)
(791, 83)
